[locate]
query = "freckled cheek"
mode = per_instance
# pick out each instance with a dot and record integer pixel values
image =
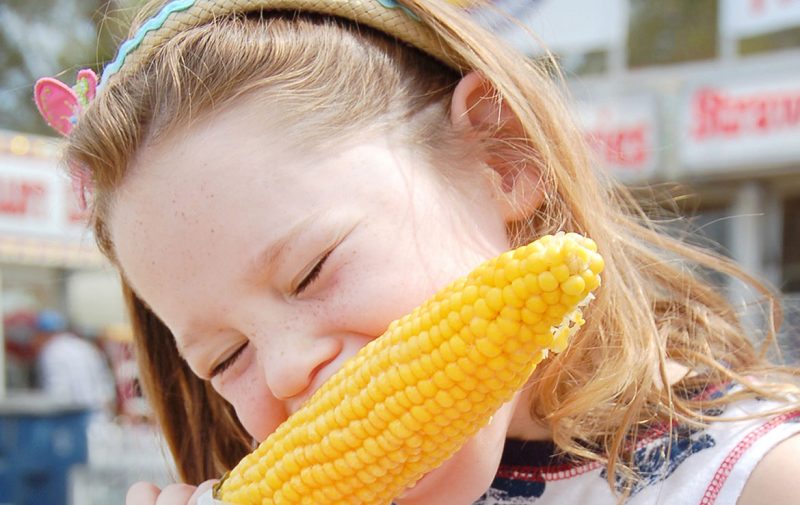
(366, 303)
(259, 412)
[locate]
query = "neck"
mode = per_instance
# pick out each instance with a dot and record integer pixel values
(522, 425)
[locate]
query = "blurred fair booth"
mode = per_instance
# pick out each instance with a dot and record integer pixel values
(47, 255)
(52, 451)
(723, 125)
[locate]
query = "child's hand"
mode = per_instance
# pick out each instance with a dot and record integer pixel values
(145, 493)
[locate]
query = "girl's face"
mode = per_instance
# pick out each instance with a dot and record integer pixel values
(272, 264)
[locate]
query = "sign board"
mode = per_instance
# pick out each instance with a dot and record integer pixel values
(36, 200)
(624, 135)
(564, 26)
(744, 18)
(743, 124)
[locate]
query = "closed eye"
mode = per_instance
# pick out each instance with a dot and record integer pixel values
(312, 275)
(228, 362)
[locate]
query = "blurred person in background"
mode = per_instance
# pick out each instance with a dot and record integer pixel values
(70, 368)
(18, 327)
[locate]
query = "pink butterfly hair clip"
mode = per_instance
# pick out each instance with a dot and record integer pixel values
(61, 106)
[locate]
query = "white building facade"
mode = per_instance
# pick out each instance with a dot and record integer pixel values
(727, 129)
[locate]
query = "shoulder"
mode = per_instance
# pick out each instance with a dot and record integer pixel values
(774, 479)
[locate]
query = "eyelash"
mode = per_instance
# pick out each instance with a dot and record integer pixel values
(229, 361)
(312, 275)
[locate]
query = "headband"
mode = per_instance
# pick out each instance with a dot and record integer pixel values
(387, 16)
(61, 106)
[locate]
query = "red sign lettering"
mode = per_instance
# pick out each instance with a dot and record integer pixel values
(717, 114)
(758, 6)
(622, 147)
(23, 198)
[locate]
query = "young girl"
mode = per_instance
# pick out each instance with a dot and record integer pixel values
(278, 180)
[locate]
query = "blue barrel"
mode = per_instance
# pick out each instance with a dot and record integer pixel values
(40, 441)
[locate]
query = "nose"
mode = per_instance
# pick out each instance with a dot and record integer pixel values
(291, 366)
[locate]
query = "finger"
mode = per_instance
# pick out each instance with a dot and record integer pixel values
(202, 488)
(142, 493)
(175, 494)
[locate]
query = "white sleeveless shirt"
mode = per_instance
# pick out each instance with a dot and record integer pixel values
(683, 465)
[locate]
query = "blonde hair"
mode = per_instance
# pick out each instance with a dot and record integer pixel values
(340, 77)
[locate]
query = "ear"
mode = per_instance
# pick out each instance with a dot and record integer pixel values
(516, 182)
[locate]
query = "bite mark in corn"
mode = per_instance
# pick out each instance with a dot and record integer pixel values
(411, 398)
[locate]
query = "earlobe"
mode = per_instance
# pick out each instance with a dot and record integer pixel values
(518, 190)
(514, 177)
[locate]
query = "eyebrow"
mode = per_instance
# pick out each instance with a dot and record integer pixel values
(265, 260)
(257, 267)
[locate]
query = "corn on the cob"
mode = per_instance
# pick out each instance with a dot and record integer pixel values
(411, 398)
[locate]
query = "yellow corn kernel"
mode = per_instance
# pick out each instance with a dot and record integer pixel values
(415, 395)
